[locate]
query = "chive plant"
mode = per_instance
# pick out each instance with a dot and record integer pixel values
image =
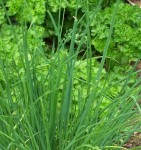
(38, 106)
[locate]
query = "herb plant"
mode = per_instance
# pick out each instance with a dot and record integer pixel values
(58, 98)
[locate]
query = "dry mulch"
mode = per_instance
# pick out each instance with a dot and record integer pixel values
(134, 142)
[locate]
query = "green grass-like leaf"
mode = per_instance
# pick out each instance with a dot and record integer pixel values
(64, 102)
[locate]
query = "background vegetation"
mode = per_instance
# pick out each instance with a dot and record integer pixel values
(66, 80)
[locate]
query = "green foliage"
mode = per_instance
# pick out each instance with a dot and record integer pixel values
(13, 15)
(71, 5)
(11, 43)
(2, 16)
(125, 43)
(29, 11)
(124, 47)
(33, 107)
(65, 101)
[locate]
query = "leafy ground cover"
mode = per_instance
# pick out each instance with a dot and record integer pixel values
(69, 75)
